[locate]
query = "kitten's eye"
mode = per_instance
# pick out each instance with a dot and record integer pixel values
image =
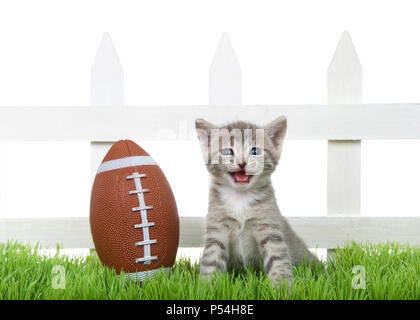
(255, 151)
(227, 152)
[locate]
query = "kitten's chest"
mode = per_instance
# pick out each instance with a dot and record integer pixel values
(239, 205)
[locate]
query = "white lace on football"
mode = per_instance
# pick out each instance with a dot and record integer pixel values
(145, 224)
(148, 274)
(141, 208)
(138, 191)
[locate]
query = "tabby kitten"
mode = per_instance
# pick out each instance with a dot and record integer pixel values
(244, 226)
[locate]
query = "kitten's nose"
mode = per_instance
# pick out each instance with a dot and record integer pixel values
(242, 165)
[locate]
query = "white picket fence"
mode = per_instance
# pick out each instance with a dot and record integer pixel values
(344, 122)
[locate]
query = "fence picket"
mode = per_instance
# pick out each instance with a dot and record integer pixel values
(225, 76)
(344, 87)
(107, 90)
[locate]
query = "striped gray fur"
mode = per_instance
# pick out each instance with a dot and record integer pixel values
(244, 226)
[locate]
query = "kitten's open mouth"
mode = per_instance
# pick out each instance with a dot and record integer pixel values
(240, 177)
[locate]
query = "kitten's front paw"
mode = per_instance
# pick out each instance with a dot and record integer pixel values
(207, 277)
(282, 283)
(206, 280)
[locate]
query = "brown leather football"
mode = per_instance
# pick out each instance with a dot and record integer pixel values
(133, 215)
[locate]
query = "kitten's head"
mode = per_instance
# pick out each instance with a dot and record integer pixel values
(240, 154)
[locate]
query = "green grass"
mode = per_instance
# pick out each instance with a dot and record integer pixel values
(392, 272)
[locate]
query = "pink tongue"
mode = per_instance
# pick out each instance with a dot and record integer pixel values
(241, 176)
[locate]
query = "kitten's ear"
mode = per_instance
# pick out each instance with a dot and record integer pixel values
(276, 130)
(203, 129)
(204, 125)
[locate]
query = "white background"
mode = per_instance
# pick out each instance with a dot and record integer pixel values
(284, 48)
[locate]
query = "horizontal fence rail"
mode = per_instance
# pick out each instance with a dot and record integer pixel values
(329, 122)
(321, 232)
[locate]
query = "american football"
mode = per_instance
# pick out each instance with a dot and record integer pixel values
(133, 214)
